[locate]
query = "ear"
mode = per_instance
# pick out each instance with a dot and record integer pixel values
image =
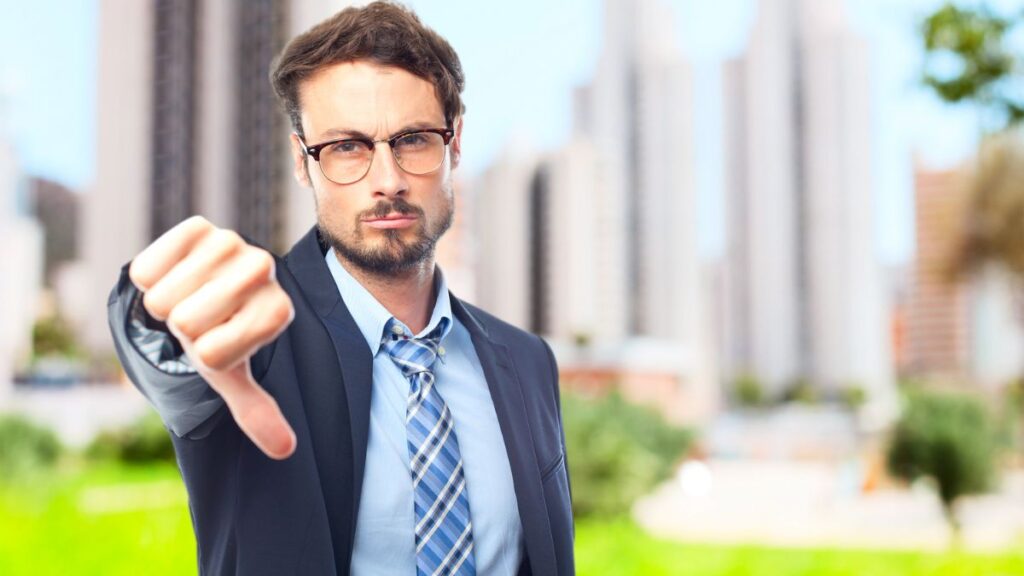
(456, 143)
(300, 163)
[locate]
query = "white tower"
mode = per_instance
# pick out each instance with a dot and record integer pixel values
(805, 287)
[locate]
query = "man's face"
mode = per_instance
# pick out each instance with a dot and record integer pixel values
(388, 222)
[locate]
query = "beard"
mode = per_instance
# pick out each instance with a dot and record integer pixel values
(393, 256)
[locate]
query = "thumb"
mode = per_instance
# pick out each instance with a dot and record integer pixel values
(254, 410)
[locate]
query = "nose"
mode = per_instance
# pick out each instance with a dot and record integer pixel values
(386, 177)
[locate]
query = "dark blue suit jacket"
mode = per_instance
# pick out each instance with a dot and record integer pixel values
(256, 516)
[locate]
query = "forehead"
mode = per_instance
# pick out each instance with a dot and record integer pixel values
(366, 97)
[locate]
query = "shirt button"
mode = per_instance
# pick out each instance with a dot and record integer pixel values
(440, 350)
(397, 329)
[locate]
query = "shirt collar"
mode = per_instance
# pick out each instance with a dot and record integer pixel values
(372, 317)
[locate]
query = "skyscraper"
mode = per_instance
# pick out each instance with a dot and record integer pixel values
(188, 124)
(639, 114)
(804, 286)
(21, 266)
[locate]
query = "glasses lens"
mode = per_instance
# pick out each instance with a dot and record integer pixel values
(420, 152)
(346, 161)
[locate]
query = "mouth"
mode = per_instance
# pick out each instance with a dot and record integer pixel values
(391, 221)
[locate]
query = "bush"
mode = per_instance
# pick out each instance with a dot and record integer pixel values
(748, 391)
(854, 396)
(617, 452)
(146, 440)
(949, 438)
(25, 448)
(53, 336)
(800, 390)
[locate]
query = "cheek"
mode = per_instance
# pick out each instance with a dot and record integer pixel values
(334, 211)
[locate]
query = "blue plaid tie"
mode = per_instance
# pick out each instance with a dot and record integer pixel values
(444, 532)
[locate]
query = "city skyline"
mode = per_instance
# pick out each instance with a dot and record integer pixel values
(908, 120)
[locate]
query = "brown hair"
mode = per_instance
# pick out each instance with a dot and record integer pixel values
(382, 32)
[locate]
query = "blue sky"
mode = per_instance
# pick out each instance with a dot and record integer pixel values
(522, 60)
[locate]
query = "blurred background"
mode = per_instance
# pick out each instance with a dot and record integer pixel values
(777, 246)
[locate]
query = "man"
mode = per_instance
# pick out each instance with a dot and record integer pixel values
(337, 410)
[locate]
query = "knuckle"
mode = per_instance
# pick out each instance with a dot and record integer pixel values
(156, 307)
(257, 268)
(181, 322)
(277, 316)
(197, 223)
(138, 275)
(263, 263)
(210, 355)
(283, 313)
(226, 239)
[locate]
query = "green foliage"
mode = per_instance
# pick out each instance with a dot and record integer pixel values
(617, 452)
(145, 440)
(748, 391)
(853, 396)
(25, 448)
(150, 532)
(621, 548)
(968, 59)
(800, 390)
(111, 520)
(54, 337)
(948, 438)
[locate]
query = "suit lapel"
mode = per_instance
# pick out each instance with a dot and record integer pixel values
(323, 399)
(510, 406)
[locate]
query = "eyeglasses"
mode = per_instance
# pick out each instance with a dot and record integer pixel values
(348, 160)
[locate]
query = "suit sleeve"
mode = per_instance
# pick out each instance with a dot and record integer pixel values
(153, 360)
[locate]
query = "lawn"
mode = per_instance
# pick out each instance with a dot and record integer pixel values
(115, 520)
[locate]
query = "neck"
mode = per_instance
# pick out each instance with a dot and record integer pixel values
(409, 295)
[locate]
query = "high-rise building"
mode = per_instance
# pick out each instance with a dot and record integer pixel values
(56, 208)
(639, 114)
(960, 329)
(188, 124)
(594, 245)
(938, 311)
(804, 286)
(502, 217)
(21, 267)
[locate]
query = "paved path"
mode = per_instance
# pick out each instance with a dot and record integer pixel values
(813, 504)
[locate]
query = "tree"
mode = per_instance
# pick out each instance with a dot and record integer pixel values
(950, 439)
(968, 59)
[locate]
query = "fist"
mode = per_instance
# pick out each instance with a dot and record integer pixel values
(220, 297)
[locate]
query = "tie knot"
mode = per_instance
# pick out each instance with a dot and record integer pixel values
(412, 355)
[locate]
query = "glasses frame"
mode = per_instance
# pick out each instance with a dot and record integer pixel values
(314, 150)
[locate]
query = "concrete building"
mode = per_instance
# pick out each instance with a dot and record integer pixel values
(960, 331)
(594, 245)
(639, 114)
(21, 268)
(502, 222)
(804, 285)
(938, 310)
(189, 125)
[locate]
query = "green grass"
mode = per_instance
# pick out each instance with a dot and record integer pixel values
(621, 548)
(109, 520)
(130, 520)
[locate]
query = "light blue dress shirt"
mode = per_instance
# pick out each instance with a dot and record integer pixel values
(385, 541)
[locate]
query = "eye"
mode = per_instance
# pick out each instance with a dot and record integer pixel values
(346, 148)
(414, 140)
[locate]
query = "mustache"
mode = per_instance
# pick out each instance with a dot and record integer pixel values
(398, 205)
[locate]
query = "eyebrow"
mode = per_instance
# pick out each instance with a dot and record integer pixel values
(331, 133)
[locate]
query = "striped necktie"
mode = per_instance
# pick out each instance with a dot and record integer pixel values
(444, 532)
